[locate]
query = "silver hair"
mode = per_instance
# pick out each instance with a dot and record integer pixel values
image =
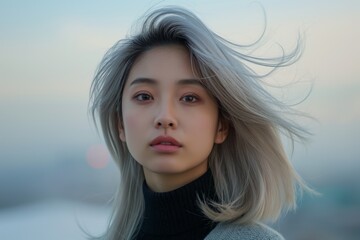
(254, 179)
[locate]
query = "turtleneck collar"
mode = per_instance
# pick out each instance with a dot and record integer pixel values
(177, 211)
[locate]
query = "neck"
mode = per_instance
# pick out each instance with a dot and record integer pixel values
(165, 182)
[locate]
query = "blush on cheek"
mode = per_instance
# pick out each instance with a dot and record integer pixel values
(131, 121)
(136, 123)
(207, 123)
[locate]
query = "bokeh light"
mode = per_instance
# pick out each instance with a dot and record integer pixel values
(97, 156)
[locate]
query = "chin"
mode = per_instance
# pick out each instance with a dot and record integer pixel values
(166, 169)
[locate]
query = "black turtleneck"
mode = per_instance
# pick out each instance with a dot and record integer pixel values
(176, 214)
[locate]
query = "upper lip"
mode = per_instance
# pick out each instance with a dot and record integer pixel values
(164, 139)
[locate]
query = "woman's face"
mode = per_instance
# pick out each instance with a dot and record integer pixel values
(170, 122)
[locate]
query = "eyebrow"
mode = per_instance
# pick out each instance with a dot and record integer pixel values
(154, 82)
(143, 80)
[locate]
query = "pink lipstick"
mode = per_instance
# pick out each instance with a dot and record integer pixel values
(165, 144)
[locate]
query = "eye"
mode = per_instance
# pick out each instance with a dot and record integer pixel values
(142, 97)
(189, 98)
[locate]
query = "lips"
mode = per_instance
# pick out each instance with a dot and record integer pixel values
(165, 144)
(165, 140)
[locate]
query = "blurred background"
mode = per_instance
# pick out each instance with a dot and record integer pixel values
(55, 174)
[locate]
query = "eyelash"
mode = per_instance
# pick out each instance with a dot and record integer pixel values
(196, 98)
(138, 97)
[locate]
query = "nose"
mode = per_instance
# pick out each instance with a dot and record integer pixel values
(166, 117)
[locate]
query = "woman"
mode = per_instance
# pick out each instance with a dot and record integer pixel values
(194, 134)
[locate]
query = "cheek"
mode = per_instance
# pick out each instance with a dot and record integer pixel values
(132, 122)
(205, 124)
(136, 123)
(134, 131)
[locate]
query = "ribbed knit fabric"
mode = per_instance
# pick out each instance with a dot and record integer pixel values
(176, 215)
(231, 231)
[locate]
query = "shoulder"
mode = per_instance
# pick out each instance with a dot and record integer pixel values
(232, 231)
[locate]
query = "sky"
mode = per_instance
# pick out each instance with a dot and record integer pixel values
(49, 51)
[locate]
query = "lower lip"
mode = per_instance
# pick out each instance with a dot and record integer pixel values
(165, 148)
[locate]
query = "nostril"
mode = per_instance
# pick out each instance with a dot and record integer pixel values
(165, 124)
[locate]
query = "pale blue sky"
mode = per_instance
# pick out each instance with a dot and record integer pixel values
(49, 51)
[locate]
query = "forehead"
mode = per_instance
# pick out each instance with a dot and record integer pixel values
(164, 63)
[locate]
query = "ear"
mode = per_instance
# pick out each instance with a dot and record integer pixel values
(121, 131)
(222, 132)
